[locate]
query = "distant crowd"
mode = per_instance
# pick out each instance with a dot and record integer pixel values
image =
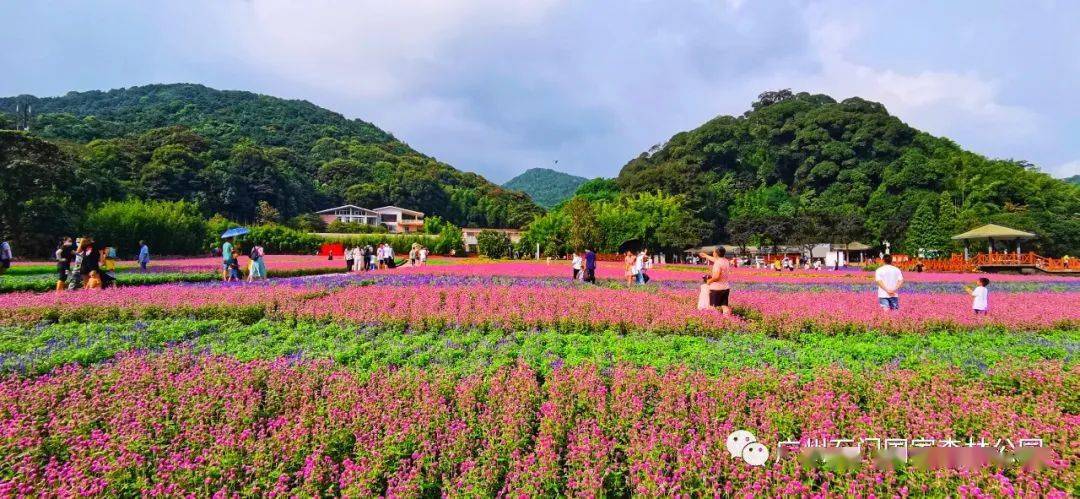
(366, 258)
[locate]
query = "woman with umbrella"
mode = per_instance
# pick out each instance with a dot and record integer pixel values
(228, 256)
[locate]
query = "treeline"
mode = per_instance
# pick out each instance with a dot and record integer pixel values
(801, 165)
(247, 157)
(602, 218)
(179, 228)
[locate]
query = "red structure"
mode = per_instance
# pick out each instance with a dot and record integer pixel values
(332, 249)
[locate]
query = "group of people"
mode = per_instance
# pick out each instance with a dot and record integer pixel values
(584, 266)
(890, 279)
(230, 262)
(636, 267)
(788, 264)
(365, 258)
(85, 263)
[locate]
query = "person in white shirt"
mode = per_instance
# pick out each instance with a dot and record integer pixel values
(639, 268)
(358, 259)
(889, 279)
(980, 297)
(575, 263)
(423, 255)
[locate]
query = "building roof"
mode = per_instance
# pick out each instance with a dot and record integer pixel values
(397, 208)
(852, 246)
(991, 231)
(328, 210)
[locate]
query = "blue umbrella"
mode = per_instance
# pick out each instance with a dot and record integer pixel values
(235, 231)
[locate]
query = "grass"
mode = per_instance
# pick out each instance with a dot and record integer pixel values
(40, 348)
(41, 282)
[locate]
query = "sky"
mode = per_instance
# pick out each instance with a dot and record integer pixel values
(501, 86)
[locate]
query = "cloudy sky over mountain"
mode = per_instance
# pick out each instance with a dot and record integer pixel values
(499, 86)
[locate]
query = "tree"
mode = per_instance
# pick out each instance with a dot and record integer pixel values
(493, 244)
(170, 175)
(35, 209)
(265, 213)
(549, 232)
(924, 233)
(584, 229)
(451, 240)
(307, 222)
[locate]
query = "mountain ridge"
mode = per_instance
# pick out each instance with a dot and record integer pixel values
(230, 149)
(793, 154)
(545, 186)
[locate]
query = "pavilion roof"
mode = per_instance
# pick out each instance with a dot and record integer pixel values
(991, 231)
(852, 246)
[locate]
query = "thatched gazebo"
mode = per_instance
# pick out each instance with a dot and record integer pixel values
(991, 233)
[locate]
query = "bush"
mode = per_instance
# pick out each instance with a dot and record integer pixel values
(493, 244)
(308, 222)
(169, 228)
(274, 238)
(339, 227)
(450, 240)
(400, 243)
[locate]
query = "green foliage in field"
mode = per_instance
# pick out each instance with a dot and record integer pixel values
(40, 348)
(46, 281)
(169, 228)
(493, 244)
(339, 227)
(660, 221)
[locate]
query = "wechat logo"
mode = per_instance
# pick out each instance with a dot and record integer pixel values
(743, 444)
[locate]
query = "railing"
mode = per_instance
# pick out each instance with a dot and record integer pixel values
(982, 259)
(957, 263)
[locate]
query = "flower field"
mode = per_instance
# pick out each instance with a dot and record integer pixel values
(481, 378)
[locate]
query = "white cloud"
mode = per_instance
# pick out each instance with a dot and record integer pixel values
(1065, 170)
(366, 49)
(959, 104)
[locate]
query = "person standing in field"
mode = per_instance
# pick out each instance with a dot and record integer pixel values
(414, 254)
(144, 255)
(5, 256)
(423, 255)
(590, 266)
(628, 267)
(716, 284)
(257, 267)
(350, 259)
(65, 253)
(889, 279)
(575, 264)
(980, 296)
(226, 258)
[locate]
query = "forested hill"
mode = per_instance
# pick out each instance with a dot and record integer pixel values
(229, 150)
(798, 157)
(545, 186)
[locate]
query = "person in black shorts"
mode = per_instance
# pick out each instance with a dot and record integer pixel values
(719, 297)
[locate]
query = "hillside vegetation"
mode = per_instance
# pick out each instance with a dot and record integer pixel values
(545, 186)
(229, 152)
(852, 169)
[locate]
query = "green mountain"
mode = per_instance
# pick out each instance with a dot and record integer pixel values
(1075, 179)
(230, 150)
(545, 186)
(862, 173)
